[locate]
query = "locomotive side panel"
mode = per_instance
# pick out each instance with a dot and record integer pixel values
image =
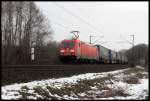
(88, 51)
(94, 52)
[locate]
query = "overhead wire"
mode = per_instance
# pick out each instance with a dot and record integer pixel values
(70, 23)
(83, 13)
(126, 40)
(77, 17)
(61, 25)
(53, 15)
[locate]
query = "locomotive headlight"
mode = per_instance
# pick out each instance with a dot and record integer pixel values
(71, 50)
(62, 51)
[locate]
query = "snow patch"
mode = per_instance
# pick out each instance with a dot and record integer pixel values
(136, 91)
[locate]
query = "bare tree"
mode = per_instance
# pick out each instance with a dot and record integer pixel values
(21, 23)
(139, 56)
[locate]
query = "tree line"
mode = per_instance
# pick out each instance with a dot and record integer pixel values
(138, 55)
(22, 24)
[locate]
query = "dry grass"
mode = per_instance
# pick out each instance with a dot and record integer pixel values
(82, 86)
(114, 92)
(133, 70)
(43, 92)
(24, 93)
(141, 75)
(110, 92)
(79, 87)
(133, 75)
(131, 80)
(24, 88)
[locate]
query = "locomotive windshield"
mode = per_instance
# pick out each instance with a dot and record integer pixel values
(67, 44)
(64, 45)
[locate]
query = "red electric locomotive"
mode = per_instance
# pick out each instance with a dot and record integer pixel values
(77, 51)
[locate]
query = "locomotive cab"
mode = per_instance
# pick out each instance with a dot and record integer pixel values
(68, 50)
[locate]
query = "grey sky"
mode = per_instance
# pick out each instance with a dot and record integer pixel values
(108, 19)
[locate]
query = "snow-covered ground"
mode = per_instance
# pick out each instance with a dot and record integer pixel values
(133, 91)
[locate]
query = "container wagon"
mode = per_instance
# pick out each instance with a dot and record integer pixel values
(112, 56)
(103, 53)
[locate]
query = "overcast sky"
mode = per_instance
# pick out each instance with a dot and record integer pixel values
(115, 21)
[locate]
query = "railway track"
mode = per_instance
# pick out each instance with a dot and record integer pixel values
(68, 65)
(26, 73)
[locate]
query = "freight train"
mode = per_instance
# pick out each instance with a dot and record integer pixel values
(76, 51)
